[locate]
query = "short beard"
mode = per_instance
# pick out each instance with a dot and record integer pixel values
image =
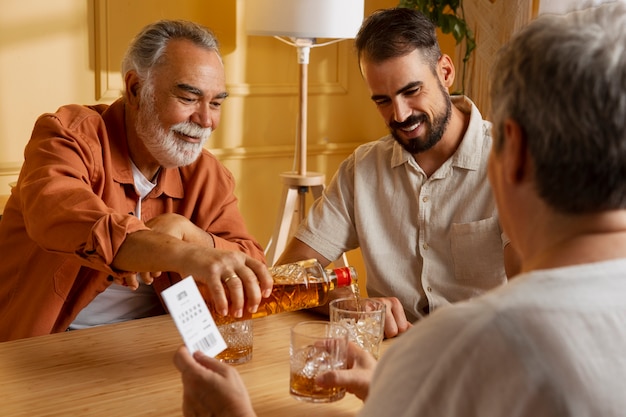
(435, 128)
(164, 146)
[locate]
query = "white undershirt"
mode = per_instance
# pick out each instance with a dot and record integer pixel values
(119, 303)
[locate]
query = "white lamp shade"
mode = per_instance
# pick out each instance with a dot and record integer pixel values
(304, 18)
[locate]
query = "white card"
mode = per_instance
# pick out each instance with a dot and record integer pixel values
(192, 318)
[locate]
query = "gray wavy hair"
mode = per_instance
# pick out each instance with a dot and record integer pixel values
(563, 80)
(147, 48)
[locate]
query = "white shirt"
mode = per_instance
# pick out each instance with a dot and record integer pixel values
(429, 241)
(550, 343)
(118, 303)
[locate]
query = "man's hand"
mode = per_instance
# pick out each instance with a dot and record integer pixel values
(228, 276)
(211, 388)
(395, 319)
(356, 378)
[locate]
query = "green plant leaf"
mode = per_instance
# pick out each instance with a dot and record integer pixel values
(444, 14)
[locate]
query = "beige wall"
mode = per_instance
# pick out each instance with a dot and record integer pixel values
(44, 62)
(68, 51)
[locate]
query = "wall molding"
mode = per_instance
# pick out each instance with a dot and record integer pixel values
(10, 169)
(109, 84)
(337, 86)
(279, 152)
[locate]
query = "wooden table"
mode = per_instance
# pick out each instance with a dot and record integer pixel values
(126, 369)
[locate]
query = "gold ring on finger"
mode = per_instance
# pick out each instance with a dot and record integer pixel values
(225, 280)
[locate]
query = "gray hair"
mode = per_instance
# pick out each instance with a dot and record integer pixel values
(563, 80)
(147, 48)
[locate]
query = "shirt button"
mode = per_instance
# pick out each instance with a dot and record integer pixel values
(425, 246)
(429, 289)
(425, 199)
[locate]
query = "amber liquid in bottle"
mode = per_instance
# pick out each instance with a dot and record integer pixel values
(297, 286)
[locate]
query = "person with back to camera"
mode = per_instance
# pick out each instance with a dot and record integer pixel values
(552, 342)
(106, 192)
(416, 202)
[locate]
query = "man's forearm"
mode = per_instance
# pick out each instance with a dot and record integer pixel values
(149, 251)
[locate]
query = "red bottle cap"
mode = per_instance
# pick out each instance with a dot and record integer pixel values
(343, 276)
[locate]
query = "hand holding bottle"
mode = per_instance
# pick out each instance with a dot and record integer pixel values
(299, 285)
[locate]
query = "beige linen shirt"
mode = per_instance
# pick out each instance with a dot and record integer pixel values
(429, 241)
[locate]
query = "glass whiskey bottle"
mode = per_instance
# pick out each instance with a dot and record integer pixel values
(298, 285)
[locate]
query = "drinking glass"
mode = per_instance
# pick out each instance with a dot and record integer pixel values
(316, 347)
(364, 318)
(238, 336)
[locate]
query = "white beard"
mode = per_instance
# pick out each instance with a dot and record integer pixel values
(164, 146)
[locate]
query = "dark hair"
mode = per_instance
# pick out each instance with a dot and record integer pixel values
(396, 32)
(563, 80)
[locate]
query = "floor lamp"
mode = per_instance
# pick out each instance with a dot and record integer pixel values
(300, 23)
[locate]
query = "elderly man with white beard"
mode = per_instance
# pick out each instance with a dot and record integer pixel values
(115, 203)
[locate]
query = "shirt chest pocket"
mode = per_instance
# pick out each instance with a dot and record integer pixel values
(64, 278)
(477, 252)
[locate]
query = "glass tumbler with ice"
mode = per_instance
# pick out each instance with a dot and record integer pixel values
(316, 347)
(364, 318)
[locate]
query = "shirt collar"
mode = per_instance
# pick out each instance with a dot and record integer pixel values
(170, 183)
(469, 153)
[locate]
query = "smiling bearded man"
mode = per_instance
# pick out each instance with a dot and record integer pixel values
(416, 202)
(115, 203)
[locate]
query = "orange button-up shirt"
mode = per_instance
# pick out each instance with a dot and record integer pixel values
(74, 205)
